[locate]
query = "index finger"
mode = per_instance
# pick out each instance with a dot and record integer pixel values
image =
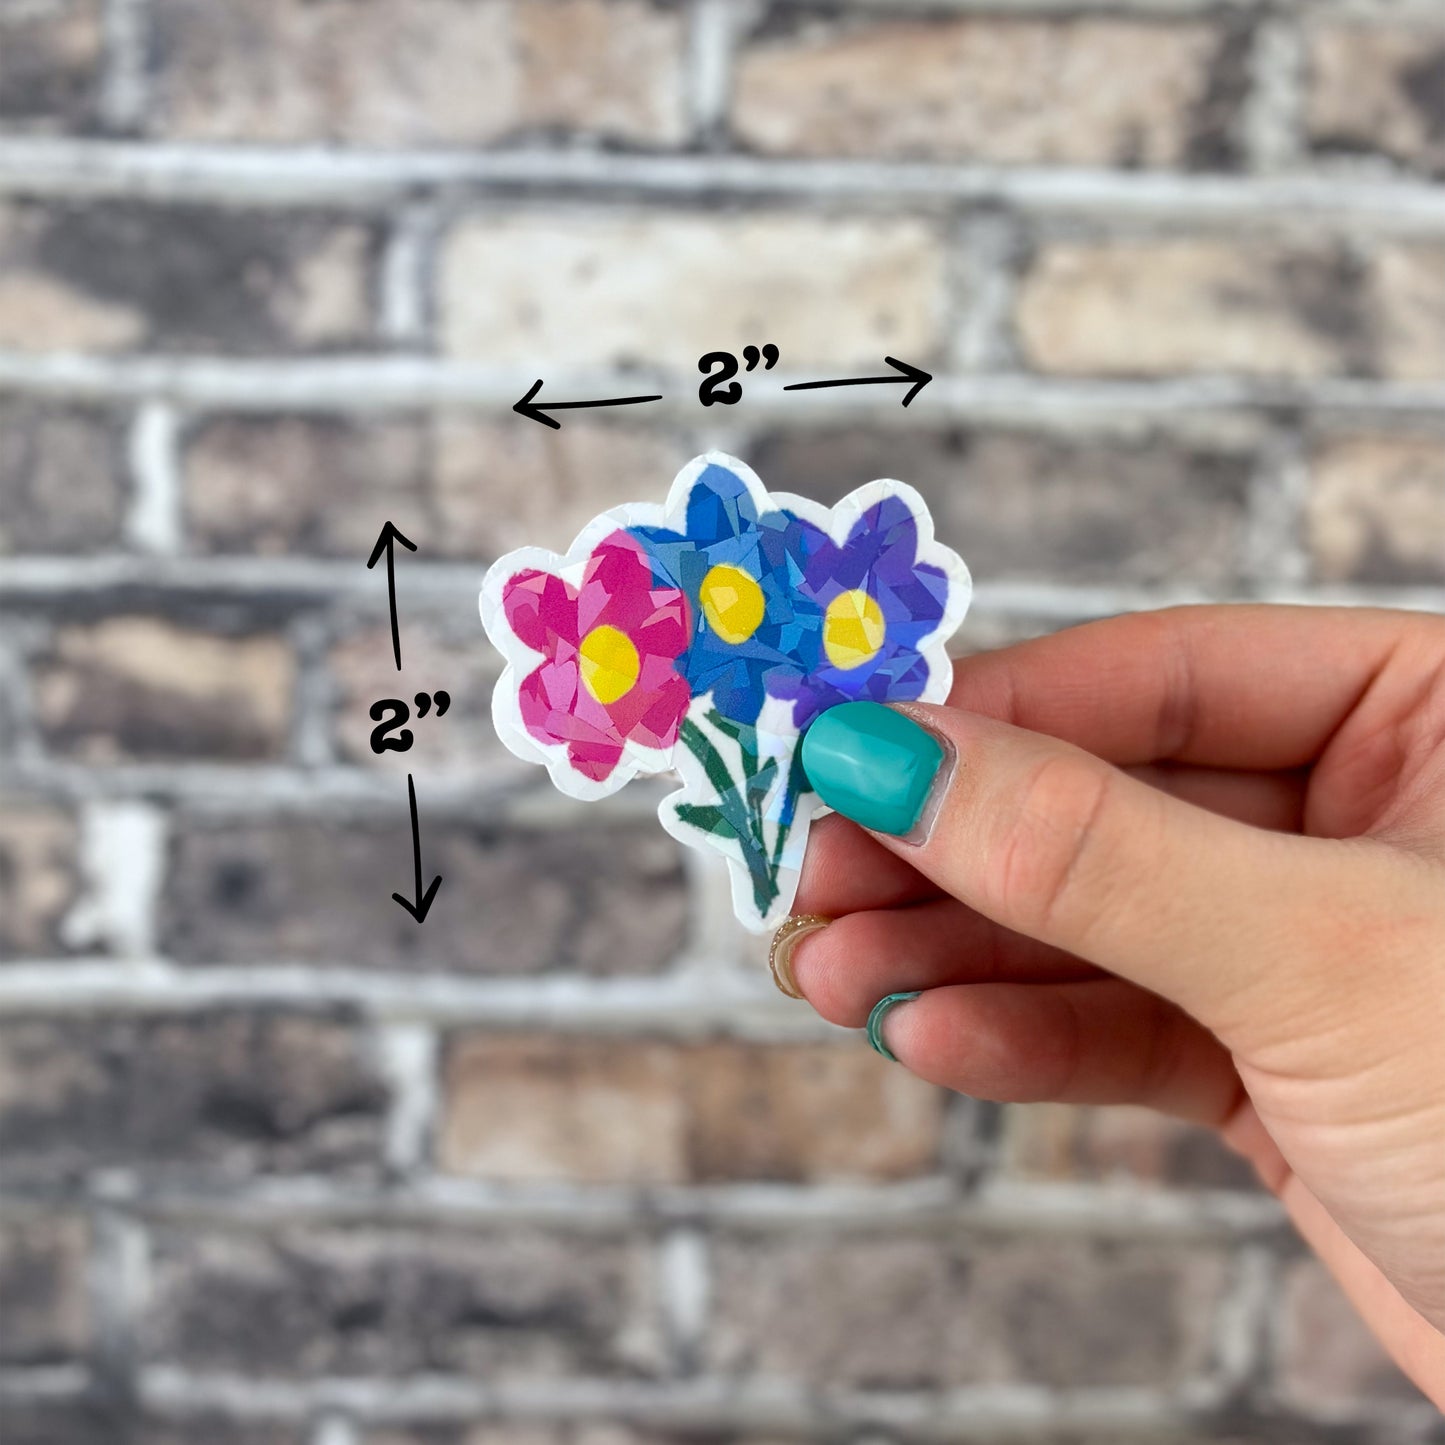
(1237, 686)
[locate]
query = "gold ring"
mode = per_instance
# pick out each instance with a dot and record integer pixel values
(795, 928)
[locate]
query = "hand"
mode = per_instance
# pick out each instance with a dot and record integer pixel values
(1193, 860)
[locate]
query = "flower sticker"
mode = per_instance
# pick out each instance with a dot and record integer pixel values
(705, 636)
(738, 561)
(607, 685)
(877, 602)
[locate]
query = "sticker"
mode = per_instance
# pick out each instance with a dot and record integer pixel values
(704, 636)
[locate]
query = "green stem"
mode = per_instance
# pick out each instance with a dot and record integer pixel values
(700, 746)
(741, 810)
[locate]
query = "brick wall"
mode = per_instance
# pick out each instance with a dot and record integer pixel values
(560, 1167)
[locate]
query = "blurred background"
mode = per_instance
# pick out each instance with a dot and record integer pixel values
(559, 1167)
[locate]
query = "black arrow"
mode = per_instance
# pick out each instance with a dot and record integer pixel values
(422, 907)
(390, 535)
(915, 374)
(532, 412)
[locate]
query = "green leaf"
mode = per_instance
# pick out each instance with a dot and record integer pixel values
(760, 782)
(697, 743)
(726, 726)
(706, 819)
(742, 734)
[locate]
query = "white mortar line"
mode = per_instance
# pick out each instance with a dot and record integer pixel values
(407, 1055)
(710, 919)
(434, 584)
(1242, 1325)
(930, 1207)
(123, 78)
(240, 792)
(334, 1429)
(119, 1286)
(685, 1285)
(153, 523)
(985, 259)
(1328, 9)
(1275, 551)
(1273, 125)
(17, 713)
(314, 693)
(405, 301)
(712, 26)
(681, 1005)
(759, 1404)
(250, 175)
(40, 1383)
(122, 855)
(964, 1151)
(366, 383)
(1047, 8)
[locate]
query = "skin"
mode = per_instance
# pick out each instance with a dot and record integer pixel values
(1193, 860)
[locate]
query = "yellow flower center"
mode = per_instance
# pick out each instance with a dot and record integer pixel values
(608, 663)
(852, 629)
(732, 602)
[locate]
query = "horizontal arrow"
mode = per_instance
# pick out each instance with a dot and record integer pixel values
(915, 374)
(534, 412)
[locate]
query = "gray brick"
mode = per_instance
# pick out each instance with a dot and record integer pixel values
(425, 73)
(1257, 305)
(200, 1428)
(320, 486)
(456, 485)
(140, 687)
(540, 1433)
(601, 1432)
(1065, 1142)
(538, 1108)
(1376, 509)
(990, 88)
(500, 483)
(605, 897)
(225, 1092)
(392, 1302)
(119, 275)
(1060, 509)
(1378, 88)
(50, 58)
(890, 1312)
(609, 288)
(39, 875)
(449, 652)
(45, 1318)
(111, 1420)
(62, 477)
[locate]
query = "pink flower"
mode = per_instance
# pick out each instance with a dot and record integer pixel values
(611, 645)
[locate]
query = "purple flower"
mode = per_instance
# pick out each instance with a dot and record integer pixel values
(873, 605)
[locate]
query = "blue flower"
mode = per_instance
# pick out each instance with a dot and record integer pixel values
(877, 602)
(740, 570)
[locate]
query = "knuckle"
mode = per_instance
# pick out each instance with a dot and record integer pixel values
(1048, 874)
(834, 955)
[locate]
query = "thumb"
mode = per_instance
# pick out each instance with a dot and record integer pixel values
(1226, 920)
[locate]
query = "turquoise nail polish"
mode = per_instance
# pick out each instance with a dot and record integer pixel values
(872, 764)
(880, 1012)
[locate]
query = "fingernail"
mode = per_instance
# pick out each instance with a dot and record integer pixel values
(795, 928)
(872, 764)
(880, 1012)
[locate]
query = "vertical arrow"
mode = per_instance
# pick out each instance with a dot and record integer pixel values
(386, 543)
(422, 906)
